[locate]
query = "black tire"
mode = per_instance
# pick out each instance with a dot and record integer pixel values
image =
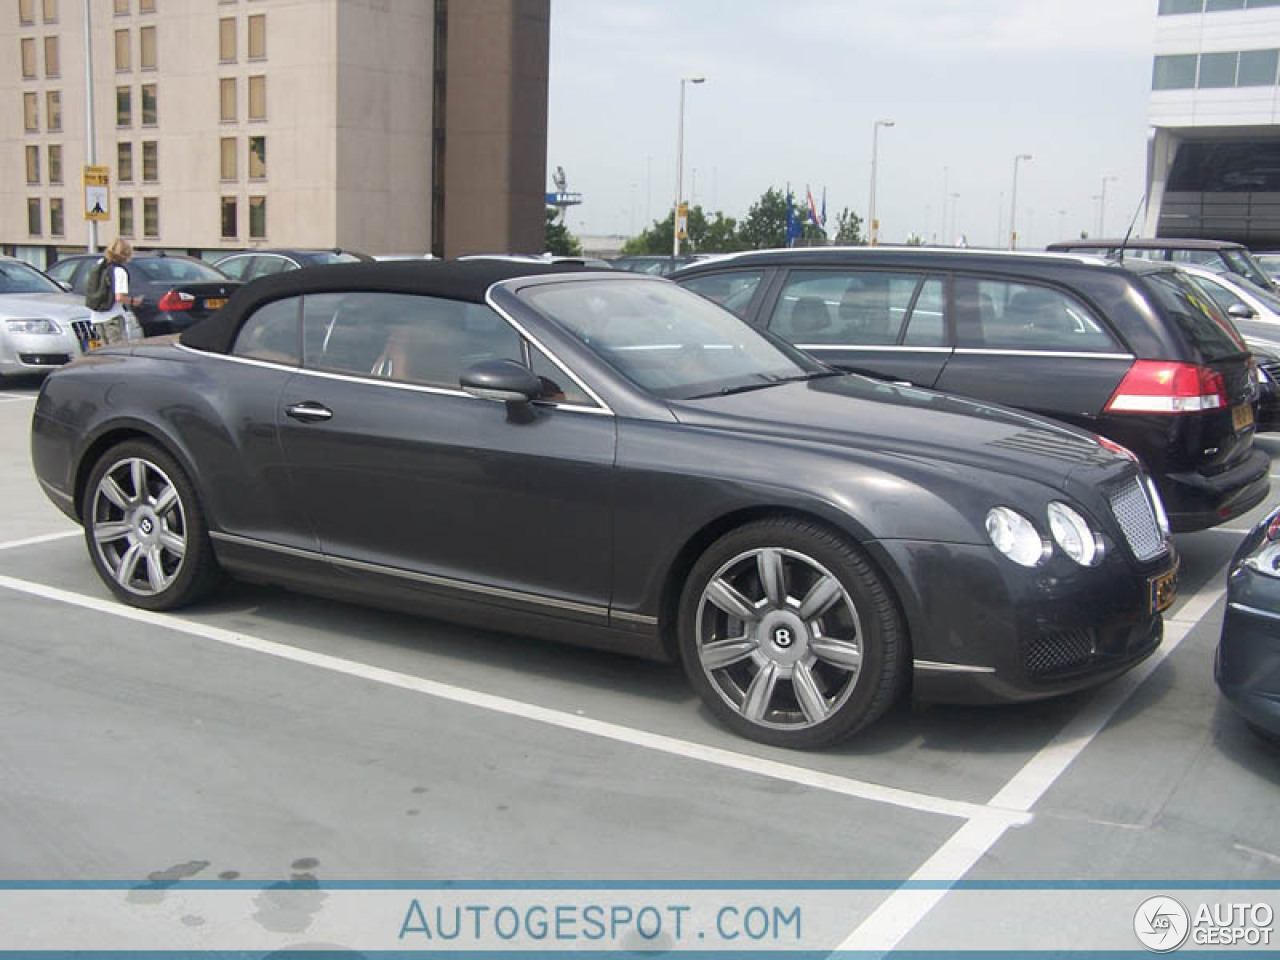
(118, 519)
(852, 654)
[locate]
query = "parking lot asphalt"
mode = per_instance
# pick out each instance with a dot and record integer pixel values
(264, 728)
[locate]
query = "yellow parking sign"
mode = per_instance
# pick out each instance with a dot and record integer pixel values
(97, 193)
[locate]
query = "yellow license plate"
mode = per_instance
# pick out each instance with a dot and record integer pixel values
(1164, 590)
(215, 303)
(1241, 416)
(94, 343)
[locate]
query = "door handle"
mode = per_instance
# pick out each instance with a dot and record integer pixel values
(308, 412)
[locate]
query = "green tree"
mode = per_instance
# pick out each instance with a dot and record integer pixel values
(766, 222)
(717, 234)
(848, 229)
(558, 238)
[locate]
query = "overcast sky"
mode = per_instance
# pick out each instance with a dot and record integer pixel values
(794, 87)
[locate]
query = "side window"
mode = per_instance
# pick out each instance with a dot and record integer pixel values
(235, 267)
(1018, 316)
(859, 307)
(62, 270)
(270, 333)
(557, 387)
(733, 291)
(1203, 258)
(265, 266)
(927, 325)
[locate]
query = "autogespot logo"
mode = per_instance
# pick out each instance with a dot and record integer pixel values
(1161, 924)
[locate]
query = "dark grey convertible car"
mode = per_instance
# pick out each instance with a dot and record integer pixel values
(608, 459)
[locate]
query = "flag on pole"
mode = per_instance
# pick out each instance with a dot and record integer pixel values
(824, 207)
(813, 207)
(793, 226)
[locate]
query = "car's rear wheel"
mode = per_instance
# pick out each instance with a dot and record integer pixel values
(789, 634)
(146, 530)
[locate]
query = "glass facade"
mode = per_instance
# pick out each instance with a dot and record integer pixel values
(1208, 71)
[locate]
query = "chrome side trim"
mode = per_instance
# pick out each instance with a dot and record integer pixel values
(1254, 611)
(56, 494)
(937, 666)
(449, 582)
(873, 348)
(647, 620)
(381, 382)
(1080, 355)
(267, 545)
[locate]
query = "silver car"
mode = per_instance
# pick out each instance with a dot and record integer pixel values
(41, 325)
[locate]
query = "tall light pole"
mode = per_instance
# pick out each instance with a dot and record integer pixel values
(1013, 202)
(91, 148)
(675, 213)
(1102, 206)
(955, 214)
(873, 226)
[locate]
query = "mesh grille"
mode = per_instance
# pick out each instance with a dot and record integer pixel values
(1060, 651)
(1137, 520)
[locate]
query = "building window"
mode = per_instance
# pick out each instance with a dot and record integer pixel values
(146, 6)
(1258, 68)
(227, 40)
(55, 163)
(1168, 7)
(55, 216)
(258, 36)
(123, 63)
(50, 10)
(150, 161)
(257, 218)
(124, 162)
(229, 158)
(53, 110)
(28, 58)
(31, 112)
(148, 104)
(150, 217)
(257, 158)
(124, 107)
(122, 8)
(126, 216)
(258, 98)
(33, 164)
(1217, 70)
(147, 51)
(227, 91)
(33, 216)
(26, 12)
(1213, 6)
(230, 228)
(1174, 72)
(52, 67)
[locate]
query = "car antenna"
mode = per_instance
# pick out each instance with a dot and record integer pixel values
(1128, 233)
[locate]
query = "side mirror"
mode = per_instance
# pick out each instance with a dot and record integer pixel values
(1241, 311)
(502, 380)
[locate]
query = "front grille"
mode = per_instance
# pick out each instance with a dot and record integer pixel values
(83, 330)
(43, 359)
(1272, 369)
(1137, 520)
(1060, 651)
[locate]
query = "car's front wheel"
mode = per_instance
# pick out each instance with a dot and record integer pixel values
(145, 528)
(789, 634)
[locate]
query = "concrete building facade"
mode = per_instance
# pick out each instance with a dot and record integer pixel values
(404, 126)
(1214, 153)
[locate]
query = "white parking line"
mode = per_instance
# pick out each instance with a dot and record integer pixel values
(43, 538)
(659, 743)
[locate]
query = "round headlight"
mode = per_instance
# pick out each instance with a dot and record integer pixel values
(1016, 537)
(1074, 535)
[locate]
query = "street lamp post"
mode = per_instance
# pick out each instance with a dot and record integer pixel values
(873, 226)
(1013, 202)
(675, 213)
(1102, 206)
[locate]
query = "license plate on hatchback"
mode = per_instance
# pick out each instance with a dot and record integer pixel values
(1164, 590)
(215, 303)
(1241, 416)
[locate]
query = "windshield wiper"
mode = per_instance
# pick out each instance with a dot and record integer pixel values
(770, 380)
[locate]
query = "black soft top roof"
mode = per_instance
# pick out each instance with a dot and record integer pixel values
(467, 280)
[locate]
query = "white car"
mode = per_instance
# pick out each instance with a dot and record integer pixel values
(1242, 300)
(41, 325)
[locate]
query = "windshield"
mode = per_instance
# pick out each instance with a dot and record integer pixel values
(1242, 263)
(177, 270)
(17, 277)
(668, 340)
(1197, 316)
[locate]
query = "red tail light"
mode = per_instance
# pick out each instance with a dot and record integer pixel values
(1156, 386)
(176, 300)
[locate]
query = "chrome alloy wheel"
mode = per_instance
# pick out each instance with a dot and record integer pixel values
(779, 638)
(139, 527)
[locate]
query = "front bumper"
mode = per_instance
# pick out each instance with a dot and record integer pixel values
(984, 630)
(1247, 665)
(1195, 501)
(34, 352)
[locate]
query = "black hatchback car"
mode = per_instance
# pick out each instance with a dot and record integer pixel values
(177, 292)
(1132, 351)
(604, 458)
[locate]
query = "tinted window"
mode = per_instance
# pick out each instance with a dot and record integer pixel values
(844, 307)
(176, 270)
(270, 333)
(733, 291)
(265, 266)
(17, 277)
(1195, 315)
(62, 270)
(1019, 316)
(927, 325)
(557, 386)
(235, 267)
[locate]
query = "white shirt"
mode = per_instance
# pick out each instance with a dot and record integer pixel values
(120, 287)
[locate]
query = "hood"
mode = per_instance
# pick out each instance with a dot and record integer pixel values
(863, 414)
(51, 306)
